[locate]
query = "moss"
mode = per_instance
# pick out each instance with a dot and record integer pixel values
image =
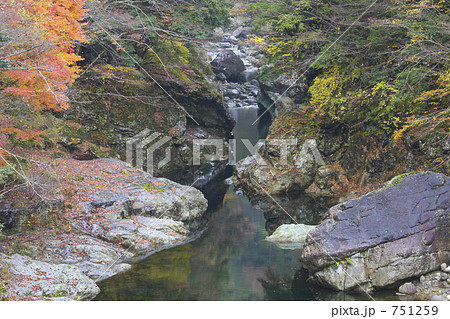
(149, 187)
(270, 74)
(399, 178)
(344, 262)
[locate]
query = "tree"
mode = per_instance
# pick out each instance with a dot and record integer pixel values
(37, 49)
(375, 64)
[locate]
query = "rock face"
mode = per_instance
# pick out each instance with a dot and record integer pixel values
(49, 281)
(135, 209)
(258, 176)
(109, 121)
(282, 95)
(388, 235)
(229, 64)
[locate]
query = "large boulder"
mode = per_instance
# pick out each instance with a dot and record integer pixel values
(229, 64)
(397, 232)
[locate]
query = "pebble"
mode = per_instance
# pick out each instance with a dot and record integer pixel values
(443, 266)
(438, 298)
(447, 270)
(422, 278)
(444, 276)
(448, 297)
(407, 288)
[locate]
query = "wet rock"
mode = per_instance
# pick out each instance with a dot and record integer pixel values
(47, 280)
(228, 63)
(407, 288)
(381, 247)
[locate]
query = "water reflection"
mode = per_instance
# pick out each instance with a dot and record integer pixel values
(230, 261)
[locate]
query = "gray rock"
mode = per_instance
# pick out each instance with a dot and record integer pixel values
(438, 298)
(408, 288)
(291, 232)
(221, 77)
(144, 233)
(96, 253)
(99, 271)
(48, 280)
(444, 276)
(443, 266)
(290, 236)
(257, 175)
(447, 270)
(240, 32)
(228, 63)
(397, 239)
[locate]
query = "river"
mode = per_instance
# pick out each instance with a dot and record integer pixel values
(230, 260)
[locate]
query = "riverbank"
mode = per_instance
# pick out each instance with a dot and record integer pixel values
(102, 214)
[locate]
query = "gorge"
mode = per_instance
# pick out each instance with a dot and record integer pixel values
(355, 157)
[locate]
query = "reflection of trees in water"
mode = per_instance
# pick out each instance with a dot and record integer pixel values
(227, 230)
(152, 280)
(223, 264)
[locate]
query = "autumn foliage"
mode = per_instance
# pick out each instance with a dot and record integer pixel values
(37, 56)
